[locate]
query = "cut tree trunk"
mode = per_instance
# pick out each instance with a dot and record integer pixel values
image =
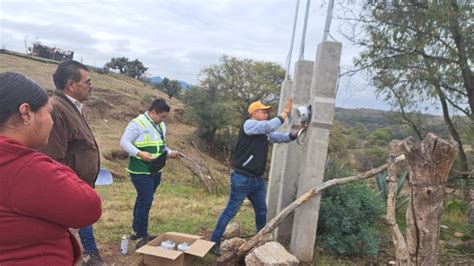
(429, 163)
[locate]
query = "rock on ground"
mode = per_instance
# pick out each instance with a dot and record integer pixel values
(230, 244)
(270, 254)
(232, 230)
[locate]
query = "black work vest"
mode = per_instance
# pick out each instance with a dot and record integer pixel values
(250, 154)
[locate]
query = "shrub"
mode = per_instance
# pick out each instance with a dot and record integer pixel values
(380, 137)
(148, 98)
(382, 186)
(347, 217)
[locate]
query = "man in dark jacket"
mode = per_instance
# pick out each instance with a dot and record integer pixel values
(71, 141)
(249, 163)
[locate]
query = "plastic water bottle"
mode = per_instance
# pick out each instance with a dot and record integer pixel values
(124, 245)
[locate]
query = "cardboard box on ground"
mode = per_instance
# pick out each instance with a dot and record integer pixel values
(153, 254)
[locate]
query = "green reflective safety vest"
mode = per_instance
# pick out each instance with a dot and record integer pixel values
(148, 140)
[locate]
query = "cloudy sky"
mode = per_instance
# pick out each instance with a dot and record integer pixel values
(177, 39)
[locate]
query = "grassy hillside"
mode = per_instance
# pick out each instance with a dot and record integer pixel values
(115, 100)
(179, 204)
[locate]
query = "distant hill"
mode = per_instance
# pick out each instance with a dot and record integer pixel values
(373, 119)
(158, 79)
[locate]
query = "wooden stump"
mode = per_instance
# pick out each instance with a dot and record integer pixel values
(429, 163)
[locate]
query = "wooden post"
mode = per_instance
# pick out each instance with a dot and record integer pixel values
(429, 163)
(471, 212)
(401, 250)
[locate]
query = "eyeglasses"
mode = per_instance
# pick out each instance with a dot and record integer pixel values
(88, 83)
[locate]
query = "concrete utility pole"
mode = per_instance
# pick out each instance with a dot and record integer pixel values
(296, 169)
(278, 149)
(284, 172)
(293, 153)
(322, 99)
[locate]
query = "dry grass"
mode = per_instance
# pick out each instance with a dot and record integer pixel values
(180, 203)
(176, 207)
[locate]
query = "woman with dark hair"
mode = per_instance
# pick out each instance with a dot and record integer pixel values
(40, 199)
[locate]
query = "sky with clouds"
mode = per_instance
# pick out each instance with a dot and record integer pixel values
(176, 39)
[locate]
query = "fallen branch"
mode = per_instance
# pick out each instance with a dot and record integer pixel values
(197, 169)
(235, 255)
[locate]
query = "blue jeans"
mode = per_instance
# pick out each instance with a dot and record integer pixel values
(146, 186)
(243, 187)
(86, 234)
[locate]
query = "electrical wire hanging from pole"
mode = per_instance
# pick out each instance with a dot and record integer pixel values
(303, 37)
(290, 52)
(327, 25)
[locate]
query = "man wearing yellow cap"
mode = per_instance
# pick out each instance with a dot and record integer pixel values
(248, 165)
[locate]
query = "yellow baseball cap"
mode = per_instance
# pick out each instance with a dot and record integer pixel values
(258, 105)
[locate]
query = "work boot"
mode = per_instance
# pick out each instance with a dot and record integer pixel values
(143, 240)
(133, 236)
(215, 250)
(92, 259)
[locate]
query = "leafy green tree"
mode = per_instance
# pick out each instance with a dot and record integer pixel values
(407, 41)
(360, 131)
(208, 113)
(170, 87)
(419, 55)
(219, 102)
(380, 137)
(338, 143)
(244, 81)
(118, 63)
(135, 69)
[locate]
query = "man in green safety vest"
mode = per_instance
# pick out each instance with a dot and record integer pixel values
(144, 140)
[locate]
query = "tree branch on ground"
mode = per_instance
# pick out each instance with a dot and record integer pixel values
(235, 255)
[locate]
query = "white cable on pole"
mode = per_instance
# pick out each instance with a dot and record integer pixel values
(328, 20)
(290, 52)
(303, 37)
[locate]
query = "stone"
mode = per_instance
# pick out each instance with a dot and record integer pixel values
(272, 253)
(230, 244)
(455, 243)
(469, 246)
(232, 230)
(449, 190)
(267, 237)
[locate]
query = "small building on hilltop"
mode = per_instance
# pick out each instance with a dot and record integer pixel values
(56, 54)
